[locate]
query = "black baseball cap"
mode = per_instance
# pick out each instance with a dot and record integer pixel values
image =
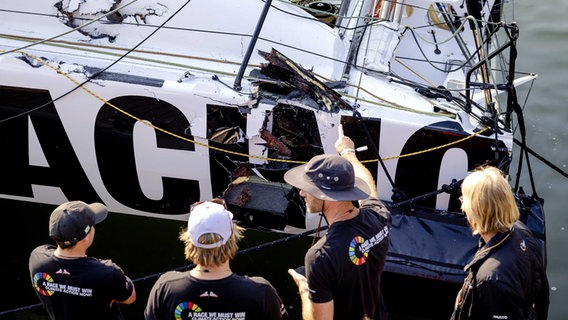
(72, 221)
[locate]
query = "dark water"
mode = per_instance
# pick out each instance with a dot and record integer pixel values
(148, 246)
(543, 46)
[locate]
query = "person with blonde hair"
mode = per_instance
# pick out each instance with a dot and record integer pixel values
(211, 290)
(506, 277)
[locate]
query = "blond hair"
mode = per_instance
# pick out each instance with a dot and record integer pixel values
(488, 201)
(214, 256)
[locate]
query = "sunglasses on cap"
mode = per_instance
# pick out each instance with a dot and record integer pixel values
(214, 200)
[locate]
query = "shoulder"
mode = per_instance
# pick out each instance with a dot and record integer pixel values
(172, 277)
(41, 255)
(44, 249)
(104, 268)
(256, 279)
(377, 206)
(255, 282)
(251, 280)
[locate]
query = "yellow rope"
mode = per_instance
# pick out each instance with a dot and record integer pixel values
(431, 149)
(220, 149)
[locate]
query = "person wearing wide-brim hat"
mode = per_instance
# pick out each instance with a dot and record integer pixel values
(343, 269)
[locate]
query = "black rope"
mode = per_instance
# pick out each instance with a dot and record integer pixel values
(26, 308)
(541, 158)
(357, 116)
(452, 188)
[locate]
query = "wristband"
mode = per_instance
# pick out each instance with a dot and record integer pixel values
(344, 151)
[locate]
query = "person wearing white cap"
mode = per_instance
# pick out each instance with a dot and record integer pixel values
(343, 269)
(70, 284)
(211, 290)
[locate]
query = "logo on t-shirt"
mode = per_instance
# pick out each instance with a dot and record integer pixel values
(191, 311)
(357, 256)
(46, 286)
(359, 247)
(209, 294)
(42, 283)
(62, 271)
(184, 308)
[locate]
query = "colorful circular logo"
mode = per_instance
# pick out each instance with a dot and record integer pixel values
(40, 280)
(185, 306)
(353, 248)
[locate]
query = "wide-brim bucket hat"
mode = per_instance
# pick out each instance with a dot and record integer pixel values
(328, 177)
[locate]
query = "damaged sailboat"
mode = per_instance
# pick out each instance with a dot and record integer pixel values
(150, 106)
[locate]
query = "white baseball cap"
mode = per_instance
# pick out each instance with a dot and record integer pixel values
(209, 217)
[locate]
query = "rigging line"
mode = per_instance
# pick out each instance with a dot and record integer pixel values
(139, 43)
(416, 72)
(242, 251)
(371, 141)
(452, 188)
(524, 148)
(69, 31)
(433, 148)
(78, 46)
(451, 37)
(25, 308)
(100, 71)
(432, 63)
(419, 266)
(541, 158)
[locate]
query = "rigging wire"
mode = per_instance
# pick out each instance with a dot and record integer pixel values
(96, 74)
(69, 31)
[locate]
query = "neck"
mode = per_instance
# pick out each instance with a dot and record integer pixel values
(70, 253)
(211, 272)
(487, 236)
(341, 211)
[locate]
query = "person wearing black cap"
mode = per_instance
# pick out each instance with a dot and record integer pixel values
(70, 284)
(211, 290)
(343, 269)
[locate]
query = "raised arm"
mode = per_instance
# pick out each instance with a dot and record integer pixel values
(346, 148)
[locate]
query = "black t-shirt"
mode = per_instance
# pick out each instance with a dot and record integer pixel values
(346, 264)
(80, 288)
(178, 295)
